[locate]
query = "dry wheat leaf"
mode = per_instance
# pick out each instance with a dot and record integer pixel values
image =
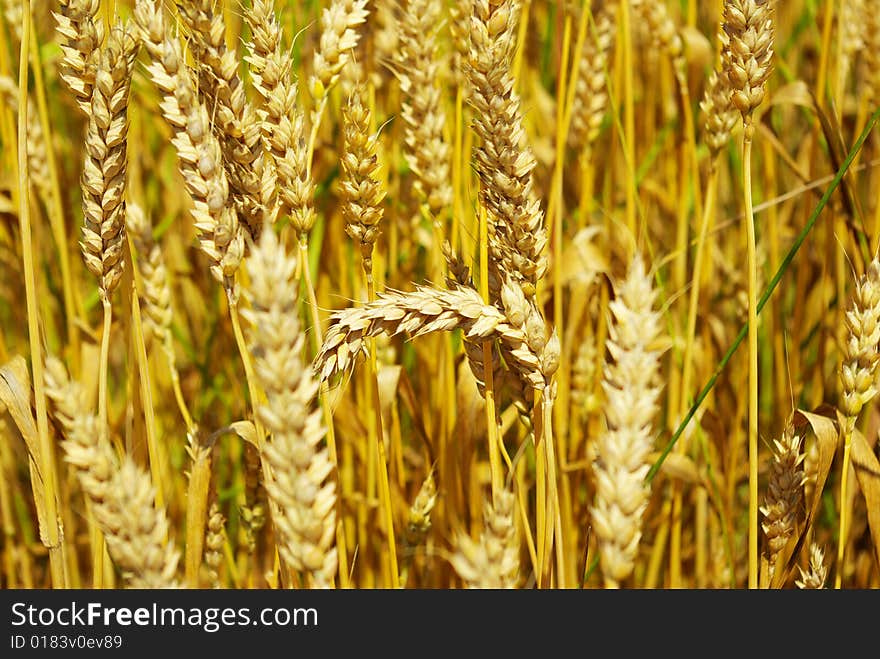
(388, 379)
(796, 92)
(678, 466)
(867, 469)
(698, 48)
(15, 395)
(584, 257)
(244, 429)
(197, 509)
(825, 431)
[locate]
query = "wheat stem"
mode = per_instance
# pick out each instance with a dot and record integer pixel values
(752, 273)
(47, 454)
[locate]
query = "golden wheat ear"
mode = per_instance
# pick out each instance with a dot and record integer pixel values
(493, 560)
(120, 493)
(299, 481)
(200, 158)
(630, 382)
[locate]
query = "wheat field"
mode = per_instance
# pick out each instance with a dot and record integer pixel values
(439, 294)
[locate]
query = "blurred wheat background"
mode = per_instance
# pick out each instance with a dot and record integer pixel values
(439, 294)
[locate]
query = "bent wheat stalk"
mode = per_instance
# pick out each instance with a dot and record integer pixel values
(427, 310)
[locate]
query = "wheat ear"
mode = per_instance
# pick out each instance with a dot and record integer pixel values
(361, 190)
(427, 310)
(103, 177)
(215, 538)
(785, 494)
(82, 36)
(121, 494)
(299, 483)
(814, 577)
(591, 93)
(858, 380)
(234, 120)
(631, 392)
(339, 36)
(493, 561)
(504, 162)
(426, 150)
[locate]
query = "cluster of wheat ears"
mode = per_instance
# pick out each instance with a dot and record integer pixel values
(439, 294)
